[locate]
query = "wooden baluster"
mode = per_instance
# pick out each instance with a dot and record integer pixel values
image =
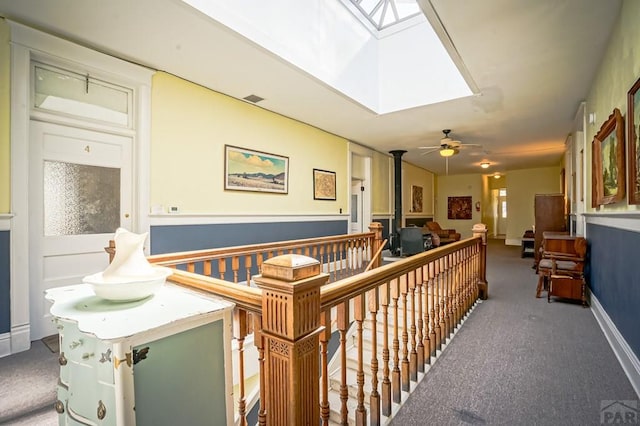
(235, 267)
(206, 267)
(374, 398)
(452, 289)
(323, 261)
(259, 343)
(421, 333)
(450, 300)
(341, 254)
(343, 326)
(222, 267)
(239, 333)
(259, 261)
(386, 383)
(424, 304)
(395, 374)
(432, 312)
(351, 258)
(436, 303)
(191, 267)
(404, 289)
(314, 254)
(447, 297)
(443, 296)
(359, 313)
(325, 336)
(334, 246)
(413, 355)
(247, 268)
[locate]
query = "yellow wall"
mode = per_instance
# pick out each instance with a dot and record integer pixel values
(5, 107)
(619, 69)
(382, 188)
(416, 176)
(190, 127)
(458, 186)
(522, 186)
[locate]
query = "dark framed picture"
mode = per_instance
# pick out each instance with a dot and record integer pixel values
(608, 166)
(633, 136)
(459, 208)
(249, 170)
(324, 185)
(416, 199)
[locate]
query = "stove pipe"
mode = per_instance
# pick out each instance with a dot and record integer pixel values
(397, 221)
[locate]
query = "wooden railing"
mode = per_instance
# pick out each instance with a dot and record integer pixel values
(402, 314)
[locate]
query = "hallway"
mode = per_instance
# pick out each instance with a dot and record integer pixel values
(519, 360)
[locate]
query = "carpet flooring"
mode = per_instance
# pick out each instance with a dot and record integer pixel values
(518, 360)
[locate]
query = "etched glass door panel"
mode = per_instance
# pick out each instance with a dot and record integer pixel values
(80, 199)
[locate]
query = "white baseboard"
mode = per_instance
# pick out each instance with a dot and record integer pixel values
(17, 340)
(5, 344)
(628, 360)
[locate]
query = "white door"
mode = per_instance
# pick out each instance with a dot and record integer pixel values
(356, 207)
(79, 192)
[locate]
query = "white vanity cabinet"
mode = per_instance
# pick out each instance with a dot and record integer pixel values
(164, 360)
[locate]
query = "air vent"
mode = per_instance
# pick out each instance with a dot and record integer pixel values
(253, 98)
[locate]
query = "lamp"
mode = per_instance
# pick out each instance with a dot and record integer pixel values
(496, 175)
(485, 165)
(447, 152)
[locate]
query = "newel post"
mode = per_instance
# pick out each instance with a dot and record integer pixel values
(376, 227)
(290, 328)
(480, 230)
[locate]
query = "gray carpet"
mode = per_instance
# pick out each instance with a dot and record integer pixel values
(519, 360)
(27, 385)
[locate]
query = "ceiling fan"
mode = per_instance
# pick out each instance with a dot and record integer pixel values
(447, 148)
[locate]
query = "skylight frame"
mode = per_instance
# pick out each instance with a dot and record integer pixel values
(387, 6)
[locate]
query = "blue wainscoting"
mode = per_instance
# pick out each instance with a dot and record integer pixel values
(173, 238)
(614, 277)
(5, 284)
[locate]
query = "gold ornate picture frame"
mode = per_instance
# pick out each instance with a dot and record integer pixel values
(633, 136)
(608, 165)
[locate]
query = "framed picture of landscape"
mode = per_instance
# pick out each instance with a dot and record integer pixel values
(249, 170)
(608, 167)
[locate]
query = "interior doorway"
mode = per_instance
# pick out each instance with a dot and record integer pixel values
(499, 212)
(356, 222)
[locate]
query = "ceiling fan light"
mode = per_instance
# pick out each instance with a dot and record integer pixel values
(485, 165)
(496, 175)
(447, 152)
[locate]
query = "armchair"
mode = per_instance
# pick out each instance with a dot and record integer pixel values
(446, 235)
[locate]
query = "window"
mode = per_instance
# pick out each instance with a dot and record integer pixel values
(64, 92)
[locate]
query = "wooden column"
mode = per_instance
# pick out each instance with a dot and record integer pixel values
(290, 330)
(377, 242)
(480, 230)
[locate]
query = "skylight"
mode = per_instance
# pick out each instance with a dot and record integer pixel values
(402, 65)
(384, 13)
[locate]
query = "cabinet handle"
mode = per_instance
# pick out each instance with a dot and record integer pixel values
(102, 410)
(87, 355)
(62, 360)
(59, 406)
(74, 345)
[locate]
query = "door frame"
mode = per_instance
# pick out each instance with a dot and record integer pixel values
(365, 155)
(28, 44)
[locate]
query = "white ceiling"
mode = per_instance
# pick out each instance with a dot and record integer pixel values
(533, 61)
